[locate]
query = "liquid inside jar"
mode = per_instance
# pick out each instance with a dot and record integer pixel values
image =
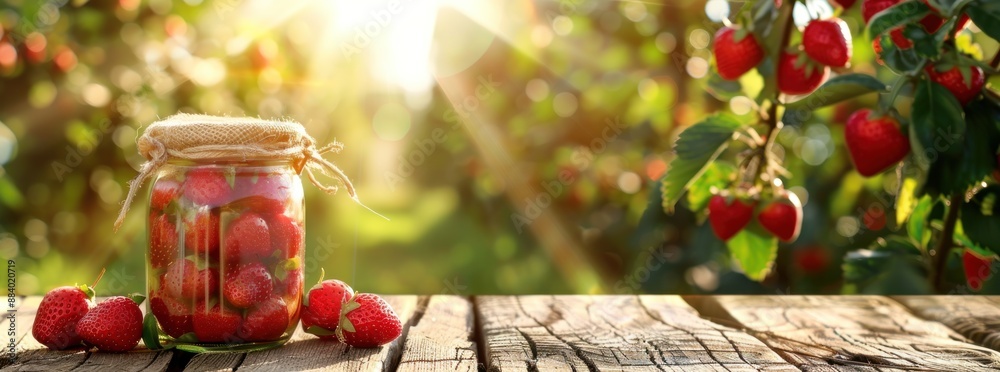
(225, 265)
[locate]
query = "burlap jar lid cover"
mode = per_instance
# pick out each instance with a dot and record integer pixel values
(206, 137)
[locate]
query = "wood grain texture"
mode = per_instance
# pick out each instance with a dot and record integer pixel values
(612, 333)
(975, 317)
(441, 337)
(305, 352)
(848, 332)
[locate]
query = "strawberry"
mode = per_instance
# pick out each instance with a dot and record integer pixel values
(368, 321)
(828, 42)
(955, 82)
(114, 325)
(286, 235)
(263, 192)
(248, 239)
(216, 323)
(783, 217)
(162, 241)
(289, 282)
(845, 3)
(207, 186)
(265, 322)
(797, 76)
(811, 259)
(877, 47)
(977, 268)
(869, 8)
(728, 219)
(185, 280)
(322, 305)
(201, 234)
(733, 58)
(58, 314)
(173, 315)
(247, 285)
(875, 143)
(164, 192)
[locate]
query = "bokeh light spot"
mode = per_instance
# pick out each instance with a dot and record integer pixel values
(565, 104)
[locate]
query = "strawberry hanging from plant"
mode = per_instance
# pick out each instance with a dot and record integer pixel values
(935, 132)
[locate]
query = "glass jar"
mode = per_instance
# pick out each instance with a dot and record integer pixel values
(224, 259)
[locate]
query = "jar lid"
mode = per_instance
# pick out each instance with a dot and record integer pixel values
(207, 137)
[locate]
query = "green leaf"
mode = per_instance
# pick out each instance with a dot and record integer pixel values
(839, 89)
(188, 337)
(900, 61)
(346, 325)
(717, 175)
(151, 333)
(937, 118)
(928, 45)
(137, 298)
(319, 331)
(754, 250)
(916, 228)
(981, 218)
(910, 188)
(898, 15)
(697, 146)
(722, 89)
(986, 15)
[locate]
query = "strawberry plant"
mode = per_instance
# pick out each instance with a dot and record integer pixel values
(934, 134)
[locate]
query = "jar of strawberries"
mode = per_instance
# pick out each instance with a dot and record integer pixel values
(226, 229)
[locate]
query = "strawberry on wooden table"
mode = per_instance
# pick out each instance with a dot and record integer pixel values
(368, 321)
(114, 325)
(728, 218)
(875, 143)
(322, 305)
(735, 52)
(58, 314)
(783, 217)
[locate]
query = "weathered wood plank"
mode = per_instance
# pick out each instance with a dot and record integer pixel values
(975, 317)
(441, 338)
(305, 352)
(612, 333)
(32, 355)
(848, 332)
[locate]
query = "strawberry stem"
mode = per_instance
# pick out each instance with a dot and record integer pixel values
(946, 243)
(772, 111)
(99, 276)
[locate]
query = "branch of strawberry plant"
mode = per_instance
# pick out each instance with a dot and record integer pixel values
(946, 242)
(772, 111)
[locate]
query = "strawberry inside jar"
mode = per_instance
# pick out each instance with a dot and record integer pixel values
(226, 229)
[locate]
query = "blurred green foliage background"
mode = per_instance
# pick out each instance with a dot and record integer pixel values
(514, 144)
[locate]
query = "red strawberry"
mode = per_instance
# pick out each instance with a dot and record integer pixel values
(783, 217)
(728, 219)
(114, 325)
(185, 280)
(899, 39)
(263, 192)
(955, 82)
(164, 192)
(799, 77)
(321, 307)
(162, 241)
(247, 285)
(58, 314)
(247, 240)
(201, 234)
(845, 3)
(869, 8)
(368, 321)
(828, 42)
(877, 47)
(977, 268)
(216, 323)
(207, 186)
(173, 315)
(812, 259)
(265, 322)
(874, 143)
(288, 274)
(286, 235)
(734, 58)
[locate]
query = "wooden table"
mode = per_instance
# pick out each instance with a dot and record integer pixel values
(580, 333)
